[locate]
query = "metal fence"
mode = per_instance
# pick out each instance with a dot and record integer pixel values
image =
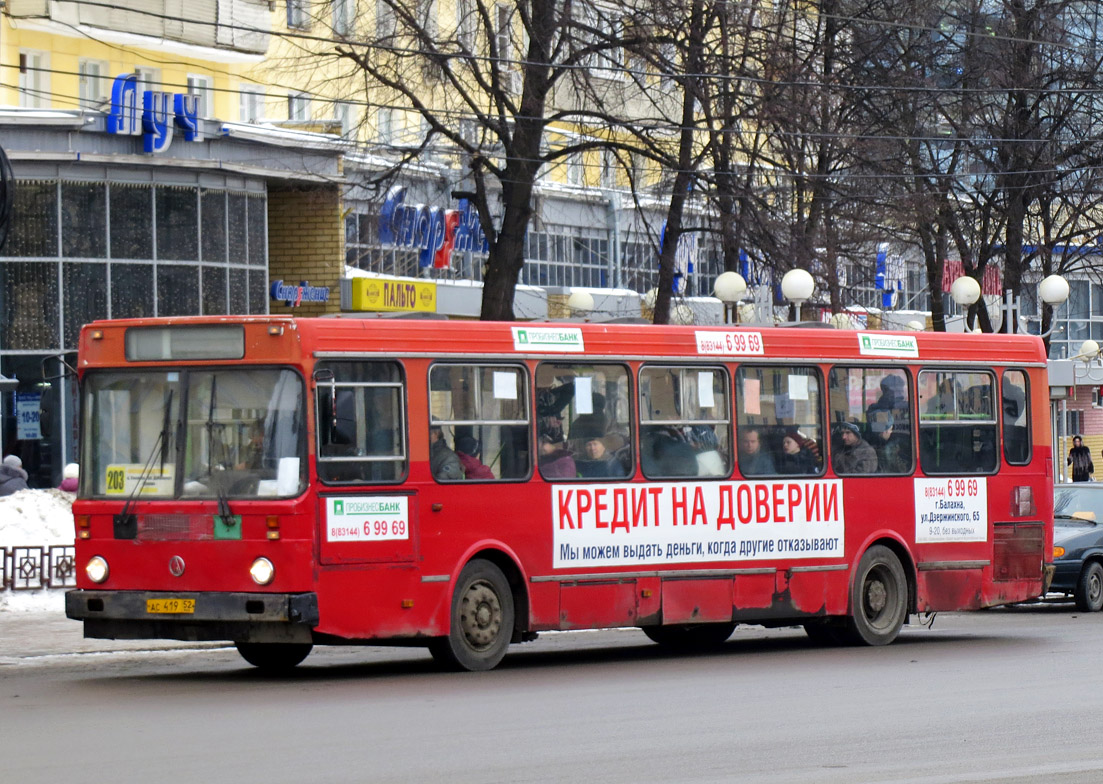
(33, 568)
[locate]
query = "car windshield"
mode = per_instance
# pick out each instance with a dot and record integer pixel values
(235, 432)
(1078, 504)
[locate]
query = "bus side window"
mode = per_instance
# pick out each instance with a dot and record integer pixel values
(361, 422)
(479, 422)
(583, 421)
(685, 421)
(1016, 419)
(878, 402)
(957, 422)
(779, 420)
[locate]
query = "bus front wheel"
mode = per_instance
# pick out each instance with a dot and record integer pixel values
(482, 620)
(879, 598)
(274, 656)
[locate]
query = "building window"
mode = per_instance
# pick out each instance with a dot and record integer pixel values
(93, 89)
(342, 112)
(384, 19)
(34, 79)
(342, 16)
(201, 86)
(251, 100)
(384, 125)
(298, 106)
(296, 14)
(148, 79)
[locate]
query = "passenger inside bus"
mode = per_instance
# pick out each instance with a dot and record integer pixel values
(795, 456)
(753, 459)
(555, 460)
(893, 449)
(665, 452)
(704, 442)
(852, 454)
(468, 451)
(443, 462)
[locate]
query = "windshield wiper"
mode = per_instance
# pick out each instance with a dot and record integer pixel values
(226, 526)
(125, 523)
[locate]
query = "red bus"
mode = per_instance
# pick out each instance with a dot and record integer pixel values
(280, 482)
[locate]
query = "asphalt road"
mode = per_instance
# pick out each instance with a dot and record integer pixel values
(1010, 695)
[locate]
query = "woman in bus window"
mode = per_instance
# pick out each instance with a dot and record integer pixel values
(467, 450)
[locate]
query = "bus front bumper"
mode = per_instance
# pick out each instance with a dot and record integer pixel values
(194, 616)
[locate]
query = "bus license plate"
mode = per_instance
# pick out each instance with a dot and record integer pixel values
(171, 606)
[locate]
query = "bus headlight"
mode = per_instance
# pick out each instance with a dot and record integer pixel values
(96, 569)
(262, 571)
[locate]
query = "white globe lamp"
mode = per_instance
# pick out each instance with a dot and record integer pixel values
(965, 291)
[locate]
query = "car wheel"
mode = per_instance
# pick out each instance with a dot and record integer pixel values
(1089, 589)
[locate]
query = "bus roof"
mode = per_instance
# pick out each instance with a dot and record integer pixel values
(573, 339)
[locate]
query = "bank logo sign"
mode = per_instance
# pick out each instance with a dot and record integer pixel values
(898, 346)
(550, 339)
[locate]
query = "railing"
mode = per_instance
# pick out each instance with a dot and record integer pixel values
(34, 568)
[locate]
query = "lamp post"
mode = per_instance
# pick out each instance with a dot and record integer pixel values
(797, 286)
(729, 289)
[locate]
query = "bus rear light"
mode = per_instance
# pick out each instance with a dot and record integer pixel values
(407, 604)
(273, 524)
(83, 526)
(262, 571)
(97, 569)
(275, 329)
(1022, 501)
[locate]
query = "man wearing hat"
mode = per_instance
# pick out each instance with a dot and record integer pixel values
(12, 476)
(854, 455)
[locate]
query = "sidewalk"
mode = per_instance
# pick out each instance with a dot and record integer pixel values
(45, 631)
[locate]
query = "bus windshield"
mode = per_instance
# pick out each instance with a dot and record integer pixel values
(241, 433)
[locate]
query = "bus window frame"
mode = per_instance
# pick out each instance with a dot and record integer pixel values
(524, 395)
(728, 409)
(323, 385)
(631, 425)
(994, 422)
(824, 424)
(1029, 423)
(911, 386)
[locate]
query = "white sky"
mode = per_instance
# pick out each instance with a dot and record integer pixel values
(33, 518)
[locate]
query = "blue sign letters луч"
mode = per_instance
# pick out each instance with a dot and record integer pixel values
(160, 112)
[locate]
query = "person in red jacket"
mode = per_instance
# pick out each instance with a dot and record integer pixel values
(467, 450)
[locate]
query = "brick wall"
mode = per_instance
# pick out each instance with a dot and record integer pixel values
(1092, 419)
(306, 241)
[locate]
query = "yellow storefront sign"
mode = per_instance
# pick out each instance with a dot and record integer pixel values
(393, 295)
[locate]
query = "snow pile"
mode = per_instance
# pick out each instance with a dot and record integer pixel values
(35, 518)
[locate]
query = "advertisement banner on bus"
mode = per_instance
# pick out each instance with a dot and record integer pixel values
(951, 509)
(675, 522)
(367, 518)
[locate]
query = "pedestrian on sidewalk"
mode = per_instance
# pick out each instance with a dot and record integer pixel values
(1080, 458)
(12, 476)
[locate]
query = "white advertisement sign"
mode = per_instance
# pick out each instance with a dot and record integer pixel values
(550, 339)
(729, 343)
(953, 509)
(367, 518)
(28, 415)
(669, 523)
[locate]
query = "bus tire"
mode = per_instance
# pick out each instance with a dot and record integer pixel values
(274, 656)
(690, 636)
(1089, 588)
(879, 598)
(481, 625)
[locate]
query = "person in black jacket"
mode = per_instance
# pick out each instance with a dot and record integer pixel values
(1080, 458)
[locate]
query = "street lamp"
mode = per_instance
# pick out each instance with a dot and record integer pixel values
(729, 289)
(580, 303)
(797, 286)
(965, 291)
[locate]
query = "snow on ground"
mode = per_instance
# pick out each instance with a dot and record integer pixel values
(35, 518)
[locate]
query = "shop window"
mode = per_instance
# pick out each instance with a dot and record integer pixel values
(177, 290)
(84, 296)
(239, 291)
(957, 422)
(83, 220)
(212, 205)
(214, 290)
(258, 292)
(34, 220)
(238, 231)
(131, 221)
(177, 224)
(131, 290)
(258, 230)
(29, 305)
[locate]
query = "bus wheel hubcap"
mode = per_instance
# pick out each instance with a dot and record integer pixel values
(480, 615)
(876, 596)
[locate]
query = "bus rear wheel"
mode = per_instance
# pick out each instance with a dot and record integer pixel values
(274, 656)
(690, 636)
(482, 620)
(878, 599)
